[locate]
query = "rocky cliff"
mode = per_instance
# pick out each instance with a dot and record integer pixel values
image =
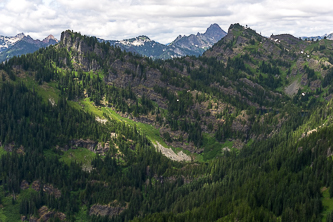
(112, 209)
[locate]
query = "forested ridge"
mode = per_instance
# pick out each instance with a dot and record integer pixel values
(80, 120)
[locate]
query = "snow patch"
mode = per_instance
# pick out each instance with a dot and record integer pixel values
(138, 41)
(9, 41)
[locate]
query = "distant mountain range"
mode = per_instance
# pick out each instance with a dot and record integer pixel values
(22, 44)
(181, 46)
(329, 36)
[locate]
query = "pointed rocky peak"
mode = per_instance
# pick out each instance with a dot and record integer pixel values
(50, 39)
(27, 38)
(214, 28)
(20, 35)
(215, 32)
(178, 37)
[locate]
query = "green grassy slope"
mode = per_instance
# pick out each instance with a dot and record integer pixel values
(327, 203)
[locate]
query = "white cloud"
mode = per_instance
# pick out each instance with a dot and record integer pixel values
(19, 6)
(162, 20)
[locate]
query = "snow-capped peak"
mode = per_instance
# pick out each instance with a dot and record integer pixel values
(138, 41)
(8, 41)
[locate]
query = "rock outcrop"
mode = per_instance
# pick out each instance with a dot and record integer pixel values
(329, 152)
(112, 209)
(24, 185)
(96, 147)
(45, 214)
(47, 188)
(9, 147)
(88, 144)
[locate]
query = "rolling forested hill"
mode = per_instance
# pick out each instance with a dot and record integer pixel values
(89, 132)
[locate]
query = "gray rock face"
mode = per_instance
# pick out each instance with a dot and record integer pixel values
(200, 42)
(90, 145)
(80, 47)
(110, 210)
(214, 33)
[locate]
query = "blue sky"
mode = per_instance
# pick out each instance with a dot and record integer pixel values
(162, 20)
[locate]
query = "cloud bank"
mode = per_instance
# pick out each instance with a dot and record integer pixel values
(162, 20)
